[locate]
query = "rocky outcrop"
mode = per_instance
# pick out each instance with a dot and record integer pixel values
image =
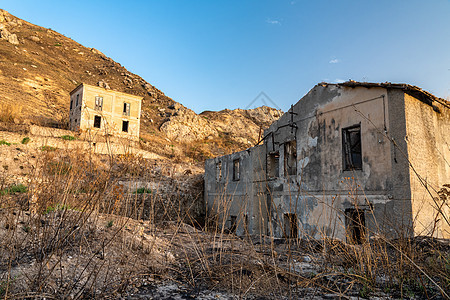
(6, 35)
(186, 126)
(7, 20)
(242, 126)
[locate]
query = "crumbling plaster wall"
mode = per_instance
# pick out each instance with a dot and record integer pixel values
(227, 197)
(321, 190)
(428, 144)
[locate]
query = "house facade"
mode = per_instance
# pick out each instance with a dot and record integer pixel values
(348, 161)
(105, 112)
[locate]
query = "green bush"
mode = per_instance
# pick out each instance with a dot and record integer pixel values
(26, 140)
(16, 188)
(3, 142)
(68, 137)
(57, 207)
(142, 190)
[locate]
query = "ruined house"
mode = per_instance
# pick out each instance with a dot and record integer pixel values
(106, 112)
(348, 161)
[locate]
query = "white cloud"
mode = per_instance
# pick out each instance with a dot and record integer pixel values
(339, 80)
(334, 61)
(273, 21)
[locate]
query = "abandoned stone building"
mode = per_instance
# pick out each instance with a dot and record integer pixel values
(105, 112)
(348, 161)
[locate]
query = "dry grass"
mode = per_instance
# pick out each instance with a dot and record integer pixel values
(79, 232)
(10, 113)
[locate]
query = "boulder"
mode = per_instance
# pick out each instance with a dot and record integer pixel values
(103, 84)
(35, 38)
(13, 39)
(6, 35)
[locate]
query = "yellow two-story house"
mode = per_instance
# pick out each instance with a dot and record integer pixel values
(105, 111)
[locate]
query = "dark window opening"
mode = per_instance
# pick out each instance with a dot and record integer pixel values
(218, 171)
(76, 121)
(233, 224)
(98, 103)
(290, 225)
(273, 165)
(125, 126)
(246, 228)
(126, 109)
(78, 97)
(355, 224)
(71, 104)
(236, 170)
(351, 148)
(290, 158)
(97, 121)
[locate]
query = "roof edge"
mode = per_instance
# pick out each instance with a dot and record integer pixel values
(412, 90)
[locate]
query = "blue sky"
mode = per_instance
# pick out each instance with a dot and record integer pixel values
(216, 54)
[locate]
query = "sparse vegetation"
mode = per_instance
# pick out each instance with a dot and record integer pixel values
(68, 137)
(9, 113)
(25, 140)
(143, 190)
(48, 148)
(16, 188)
(3, 142)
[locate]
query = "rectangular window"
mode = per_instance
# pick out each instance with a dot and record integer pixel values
(125, 126)
(355, 224)
(78, 97)
(290, 158)
(71, 104)
(98, 103)
(233, 224)
(273, 165)
(246, 228)
(126, 109)
(97, 121)
(236, 171)
(351, 148)
(218, 171)
(290, 226)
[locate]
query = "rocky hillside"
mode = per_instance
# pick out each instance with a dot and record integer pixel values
(39, 67)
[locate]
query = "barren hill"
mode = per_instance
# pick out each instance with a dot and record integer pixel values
(39, 67)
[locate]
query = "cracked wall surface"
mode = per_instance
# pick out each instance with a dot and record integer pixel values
(322, 192)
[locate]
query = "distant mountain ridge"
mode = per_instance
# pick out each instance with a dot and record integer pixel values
(39, 67)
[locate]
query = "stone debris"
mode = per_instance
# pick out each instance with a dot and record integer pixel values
(103, 84)
(10, 37)
(35, 38)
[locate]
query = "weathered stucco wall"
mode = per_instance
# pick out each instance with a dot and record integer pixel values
(301, 183)
(428, 143)
(243, 199)
(322, 190)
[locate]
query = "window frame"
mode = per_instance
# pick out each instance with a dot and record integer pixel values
(273, 165)
(356, 231)
(99, 118)
(219, 171)
(126, 109)
(236, 169)
(288, 156)
(98, 103)
(352, 159)
(127, 126)
(291, 225)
